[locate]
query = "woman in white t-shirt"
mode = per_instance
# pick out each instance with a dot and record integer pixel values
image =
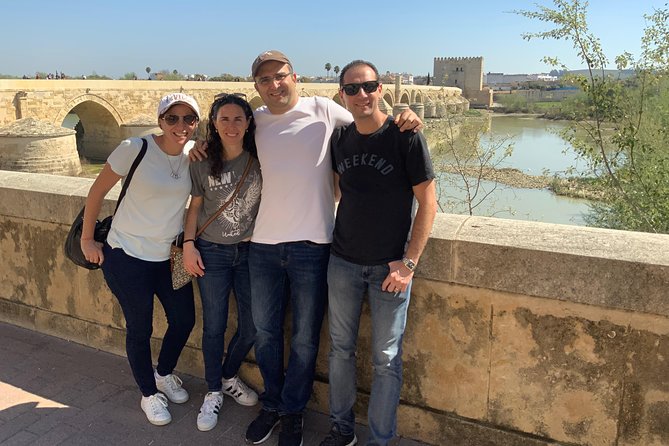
(135, 257)
(219, 256)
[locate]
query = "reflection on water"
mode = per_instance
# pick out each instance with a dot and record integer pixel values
(514, 203)
(536, 145)
(536, 149)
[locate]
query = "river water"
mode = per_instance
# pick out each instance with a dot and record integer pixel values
(536, 150)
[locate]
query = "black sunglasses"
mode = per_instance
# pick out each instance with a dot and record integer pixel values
(353, 89)
(225, 95)
(173, 119)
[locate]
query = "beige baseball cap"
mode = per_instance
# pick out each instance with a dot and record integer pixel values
(266, 56)
(177, 98)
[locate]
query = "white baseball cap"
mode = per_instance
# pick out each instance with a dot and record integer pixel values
(177, 98)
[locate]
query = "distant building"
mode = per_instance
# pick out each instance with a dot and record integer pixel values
(389, 78)
(465, 73)
(501, 81)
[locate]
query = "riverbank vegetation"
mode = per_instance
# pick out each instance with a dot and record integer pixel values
(565, 109)
(621, 126)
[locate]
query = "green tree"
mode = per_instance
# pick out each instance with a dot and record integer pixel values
(148, 72)
(622, 130)
(224, 77)
(328, 67)
(336, 69)
(168, 75)
(96, 76)
(129, 76)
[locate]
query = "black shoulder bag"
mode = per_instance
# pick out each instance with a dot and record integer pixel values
(73, 240)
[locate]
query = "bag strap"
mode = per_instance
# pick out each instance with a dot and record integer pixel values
(234, 194)
(126, 183)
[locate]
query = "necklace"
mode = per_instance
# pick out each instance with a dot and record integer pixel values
(175, 172)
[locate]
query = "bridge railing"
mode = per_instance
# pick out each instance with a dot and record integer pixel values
(519, 333)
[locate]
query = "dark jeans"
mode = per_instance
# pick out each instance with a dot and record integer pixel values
(226, 268)
(301, 268)
(134, 283)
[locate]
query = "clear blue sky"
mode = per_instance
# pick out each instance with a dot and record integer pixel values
(214, 37)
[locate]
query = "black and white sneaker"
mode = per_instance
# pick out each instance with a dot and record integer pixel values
(242, 393)
(261, 428)
(208, 416)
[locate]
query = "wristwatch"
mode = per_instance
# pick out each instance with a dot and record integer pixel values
(410, 264)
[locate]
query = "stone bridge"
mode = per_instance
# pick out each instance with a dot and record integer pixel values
(111, 110)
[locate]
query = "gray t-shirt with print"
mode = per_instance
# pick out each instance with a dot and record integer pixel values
(236, 222)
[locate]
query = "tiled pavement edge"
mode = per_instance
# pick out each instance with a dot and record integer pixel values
(57, 392)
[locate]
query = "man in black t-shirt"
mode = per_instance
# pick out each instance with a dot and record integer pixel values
(379, 171)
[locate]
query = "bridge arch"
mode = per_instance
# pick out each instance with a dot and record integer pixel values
(417, 96)
(404, 97)
(388, 97)
(98, 130)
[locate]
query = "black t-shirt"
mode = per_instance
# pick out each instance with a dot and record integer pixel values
(376, 175)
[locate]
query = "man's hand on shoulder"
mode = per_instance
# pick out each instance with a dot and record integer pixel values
(409, 120)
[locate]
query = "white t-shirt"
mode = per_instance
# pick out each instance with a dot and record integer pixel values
(294, 152)
(152, 212)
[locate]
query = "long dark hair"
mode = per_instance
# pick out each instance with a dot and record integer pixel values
(215, 148)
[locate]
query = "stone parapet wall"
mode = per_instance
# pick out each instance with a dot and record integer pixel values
(519, 333)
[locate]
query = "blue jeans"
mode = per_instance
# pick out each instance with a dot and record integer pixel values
(347, 284)
(134, 283)
(301, 268)
(226, 268)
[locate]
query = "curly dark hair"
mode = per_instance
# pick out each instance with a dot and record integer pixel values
(215, 148)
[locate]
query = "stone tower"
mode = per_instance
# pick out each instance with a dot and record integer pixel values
(461, 72)
(465, 73)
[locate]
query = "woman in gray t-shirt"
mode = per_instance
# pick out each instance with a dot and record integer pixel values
(219, 256)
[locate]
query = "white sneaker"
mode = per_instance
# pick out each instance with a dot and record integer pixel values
(208, 416)
(155, 408)
(242, 393)
(170, 385)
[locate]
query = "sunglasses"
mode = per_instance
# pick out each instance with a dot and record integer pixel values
(353, 89)
(173, 119)
(221, 96)
(266, 80)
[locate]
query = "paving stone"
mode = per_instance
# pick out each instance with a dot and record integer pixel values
(87, 398)
(58, 435)
(20, 439)
(17, 424)
(55, 418)
(101, 401)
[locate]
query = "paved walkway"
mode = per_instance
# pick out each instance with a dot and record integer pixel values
(57, 392)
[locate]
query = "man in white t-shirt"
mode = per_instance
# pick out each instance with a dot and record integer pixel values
(290, 246)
